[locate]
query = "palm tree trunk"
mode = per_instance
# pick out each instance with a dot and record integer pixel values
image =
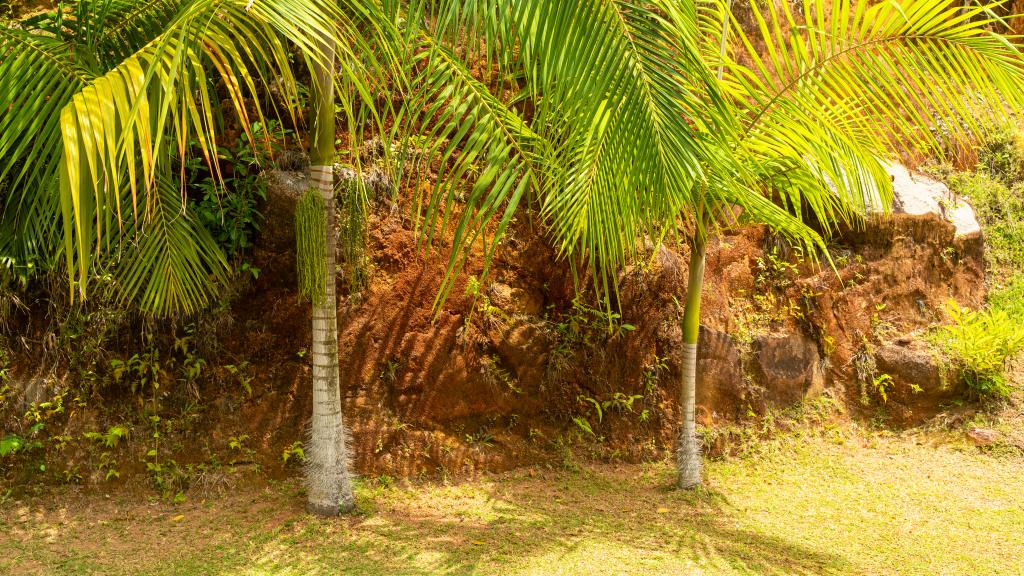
(329, 486)
(688, 457)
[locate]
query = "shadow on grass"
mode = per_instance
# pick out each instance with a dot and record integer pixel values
(590, 523)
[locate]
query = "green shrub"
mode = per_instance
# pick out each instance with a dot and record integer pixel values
(1009, 297)
(1001, 213)
(231, 213)
(1001, 156)
(981, 342)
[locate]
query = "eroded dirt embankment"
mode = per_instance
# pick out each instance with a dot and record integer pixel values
(518, 369)
(512, 370)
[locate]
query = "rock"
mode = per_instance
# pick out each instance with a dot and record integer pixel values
(983, 436)
(376, 181)
(720, 384)
(923, 382)
(283, 191)
(292, 161)
(671, 267)
(513, 301)
(918, 194)
(909, 365)
(789, 366)
(523, 347)
(648, 289)
(918, 373)
(32, 388)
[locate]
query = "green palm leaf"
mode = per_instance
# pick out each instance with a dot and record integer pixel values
(167, 259)
(625, 119)
(37, 79)
(824, 95)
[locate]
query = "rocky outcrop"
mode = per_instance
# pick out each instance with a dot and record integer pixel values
(895, 278)
(917, 194)
(922, 380)
(789, 367)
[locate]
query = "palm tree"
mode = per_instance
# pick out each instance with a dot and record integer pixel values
(629, 132)
(101, 96)
(822, 98)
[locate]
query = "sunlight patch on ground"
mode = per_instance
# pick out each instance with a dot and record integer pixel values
(871, 504)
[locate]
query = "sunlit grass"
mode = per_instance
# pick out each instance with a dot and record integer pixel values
(863, 505)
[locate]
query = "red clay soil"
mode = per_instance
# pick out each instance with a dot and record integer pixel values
(435, 394)
(430, 394)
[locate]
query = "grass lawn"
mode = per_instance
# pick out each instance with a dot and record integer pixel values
(859, 505)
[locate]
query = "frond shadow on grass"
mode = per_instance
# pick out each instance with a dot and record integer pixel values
(592, 523)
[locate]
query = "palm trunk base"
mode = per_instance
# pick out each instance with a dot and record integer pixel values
(322, 510)
(328, 481)
(688, 455)
(688, 462)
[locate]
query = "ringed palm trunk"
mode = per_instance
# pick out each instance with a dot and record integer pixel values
(688, 457)
(329, 486)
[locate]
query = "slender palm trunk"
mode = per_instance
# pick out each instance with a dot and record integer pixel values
(329, 487)
(688, 457)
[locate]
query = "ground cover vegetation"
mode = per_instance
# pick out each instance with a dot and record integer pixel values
(816, 504)
(982, 342)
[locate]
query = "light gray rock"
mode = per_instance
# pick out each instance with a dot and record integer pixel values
(915, 193)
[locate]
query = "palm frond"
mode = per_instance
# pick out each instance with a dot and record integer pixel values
(120, 129)
(168, 262)
(37, 79)
(625, 116)
(824, 95)
(474, 136)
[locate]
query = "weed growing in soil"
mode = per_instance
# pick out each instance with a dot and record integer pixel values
(1000, 209)
(232, 214)
(981, 343)
(294, 453)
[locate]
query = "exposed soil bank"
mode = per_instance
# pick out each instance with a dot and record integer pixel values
(517, 369)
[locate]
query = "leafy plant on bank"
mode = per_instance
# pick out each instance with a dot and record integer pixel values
(981, 343)
(1000, 209)
(228, 206)
(997, 194)
(1001, 155)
